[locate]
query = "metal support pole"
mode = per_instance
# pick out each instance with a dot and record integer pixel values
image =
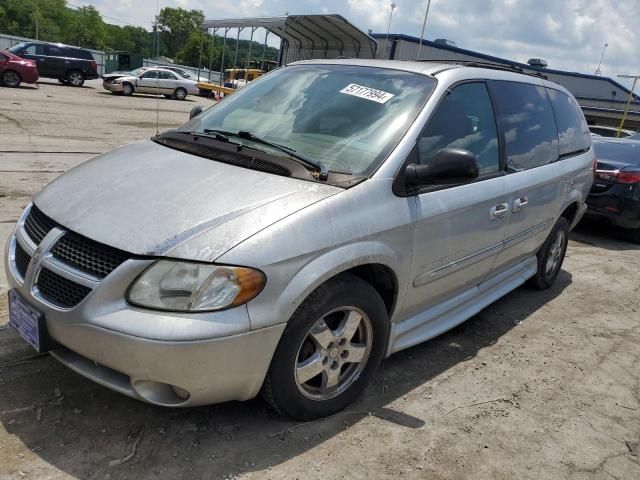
(213, 41)
(628, 105)
(224, 48)
(424, 24)
(386, 40)
(202, 34)
(264, 50)
(235, 58)
(253, 29)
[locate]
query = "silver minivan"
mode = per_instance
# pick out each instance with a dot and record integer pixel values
(289, 238)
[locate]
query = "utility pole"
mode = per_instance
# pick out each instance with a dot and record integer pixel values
(626, 107)
(424, 24)
(598, 72)
(386, 40)
(37, 15)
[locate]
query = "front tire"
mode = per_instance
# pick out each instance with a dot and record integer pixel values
(180, 93)
(11, 79)
(127, 89)
(331, 347)
(551, 256)
(633, 236)
(75, 78)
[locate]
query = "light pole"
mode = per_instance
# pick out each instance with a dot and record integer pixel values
(626, 107)
(598, 72)
(37, 9)
(424, 24)
(386, 40)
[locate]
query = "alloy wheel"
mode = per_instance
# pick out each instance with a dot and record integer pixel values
(555, 253)
(75, 79)
(334, 353)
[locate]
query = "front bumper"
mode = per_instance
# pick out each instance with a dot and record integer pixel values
(112, 87)
(163, 358)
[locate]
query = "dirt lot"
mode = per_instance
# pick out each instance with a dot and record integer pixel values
(540, 385)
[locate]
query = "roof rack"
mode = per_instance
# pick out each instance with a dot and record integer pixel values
(491, 66)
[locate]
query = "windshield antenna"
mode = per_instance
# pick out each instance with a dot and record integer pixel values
(158, 79)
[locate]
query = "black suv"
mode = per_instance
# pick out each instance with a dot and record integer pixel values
(72, 65)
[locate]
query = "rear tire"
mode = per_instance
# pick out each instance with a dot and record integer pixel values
(633, 236)
(127, 89)
(330, 349)
(551, 256)
(11, 79)
(180, 93)
(75, 78)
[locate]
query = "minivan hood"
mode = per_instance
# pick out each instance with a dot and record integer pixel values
(148, 199)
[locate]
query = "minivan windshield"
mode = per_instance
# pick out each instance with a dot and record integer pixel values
(345, 117)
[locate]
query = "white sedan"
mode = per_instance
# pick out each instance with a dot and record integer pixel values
(158, 81)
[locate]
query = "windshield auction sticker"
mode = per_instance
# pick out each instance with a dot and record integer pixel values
(367, 93)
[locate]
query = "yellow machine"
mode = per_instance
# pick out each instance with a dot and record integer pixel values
(234, 78)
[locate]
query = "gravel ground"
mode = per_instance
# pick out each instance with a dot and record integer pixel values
(540, 385)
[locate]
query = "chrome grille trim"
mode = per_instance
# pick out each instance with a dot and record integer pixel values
(42, 257)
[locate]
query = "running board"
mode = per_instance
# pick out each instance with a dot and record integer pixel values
(452, 312)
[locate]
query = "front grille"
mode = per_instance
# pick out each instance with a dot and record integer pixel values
(60, 291)
(37, 225)
(88, 256)
(22, 260)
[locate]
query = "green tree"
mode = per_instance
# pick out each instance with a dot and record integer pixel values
(177, 26)
(86, 28)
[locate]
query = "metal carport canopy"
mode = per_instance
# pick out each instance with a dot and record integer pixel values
(304, 37)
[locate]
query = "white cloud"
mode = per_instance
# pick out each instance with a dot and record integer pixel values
(569, 34)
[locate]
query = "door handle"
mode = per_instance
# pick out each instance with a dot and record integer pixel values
(520, 203)
(498, 211)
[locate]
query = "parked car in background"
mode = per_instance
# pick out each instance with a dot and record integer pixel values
(118, 74)
(605, 131)
(15, 70)
(70, 65)
(288, 239)
(155, 81)
(615, 195)
(185, 73)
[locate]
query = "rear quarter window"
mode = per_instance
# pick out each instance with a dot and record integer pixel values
(573, 131)
(528, 124)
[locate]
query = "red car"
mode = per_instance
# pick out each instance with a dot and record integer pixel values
(14, 70)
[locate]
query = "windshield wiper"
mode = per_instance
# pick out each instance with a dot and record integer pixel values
(224, 136)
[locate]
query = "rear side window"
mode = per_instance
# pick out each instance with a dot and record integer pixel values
(53, 51)
(573, 131)
(3, 57)
(85, 54)
(465, 120)
(525, 115)
(150, 74)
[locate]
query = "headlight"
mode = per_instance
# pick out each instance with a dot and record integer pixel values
(194, 287)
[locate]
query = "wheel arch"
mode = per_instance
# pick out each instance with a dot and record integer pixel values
(571, 212)
(374, 262)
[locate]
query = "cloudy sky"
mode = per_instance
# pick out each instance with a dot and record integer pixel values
(569, 34)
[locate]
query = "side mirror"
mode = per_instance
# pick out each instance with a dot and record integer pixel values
(450, 166)
(195, 111)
